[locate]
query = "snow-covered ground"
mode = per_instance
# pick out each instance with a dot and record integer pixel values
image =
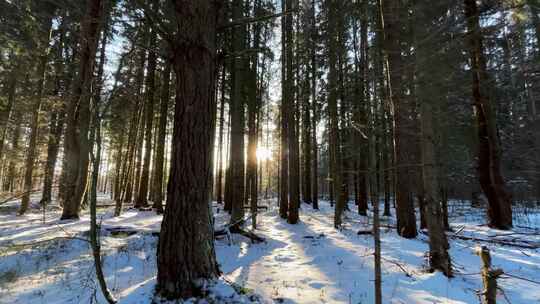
(311, 262)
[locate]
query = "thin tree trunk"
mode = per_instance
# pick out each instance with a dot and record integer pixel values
(284, 125)
(46, 27)
(294, 165)
(219, 181)
(313, 72)
(142, 198)
(160, 144)
(6, 114)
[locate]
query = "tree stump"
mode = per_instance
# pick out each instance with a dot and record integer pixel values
(489, 276)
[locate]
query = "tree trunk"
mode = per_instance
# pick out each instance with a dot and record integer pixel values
(239, 91)
(219, 179)
(5, 114)
(142, 198)
(76, 145)
(489, 171)
(185, 256)
(333, 121)
(284, 124)
(294, 162)
(438, 244)
(57, 117)
(406, 221)
(94, 228)
(313, 72)
(46, 27)
(9, 182)
(160, 144)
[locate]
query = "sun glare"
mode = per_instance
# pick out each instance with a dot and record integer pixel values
(263, 153)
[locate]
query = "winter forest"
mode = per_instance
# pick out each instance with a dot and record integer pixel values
(269, 151)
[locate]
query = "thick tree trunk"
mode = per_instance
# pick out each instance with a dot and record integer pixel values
(160, 144)
(76, 145)
(489, 171)
(406, 221)
(185, 256)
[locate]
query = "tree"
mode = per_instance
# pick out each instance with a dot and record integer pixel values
(43, 51)
(160, 144)
(185, 254)
(489, 171)
(237, 108)
(76, 144)
(289, 100)
(142, 198)
(390, 15)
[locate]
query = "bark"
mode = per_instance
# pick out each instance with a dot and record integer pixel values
(160, 144)
(406, 221)
(489, 154)
(185, 256)
(76, 145)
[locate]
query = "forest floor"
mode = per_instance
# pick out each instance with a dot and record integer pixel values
(44, 260)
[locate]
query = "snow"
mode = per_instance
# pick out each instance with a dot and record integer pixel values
(310, 262)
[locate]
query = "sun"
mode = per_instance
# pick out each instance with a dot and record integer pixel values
(263, 153)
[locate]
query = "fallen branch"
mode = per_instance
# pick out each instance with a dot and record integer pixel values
(237, 230)
(523, 244)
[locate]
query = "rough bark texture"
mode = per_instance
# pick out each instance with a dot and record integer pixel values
(76, 145)
(489, 158)
(185, 255)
